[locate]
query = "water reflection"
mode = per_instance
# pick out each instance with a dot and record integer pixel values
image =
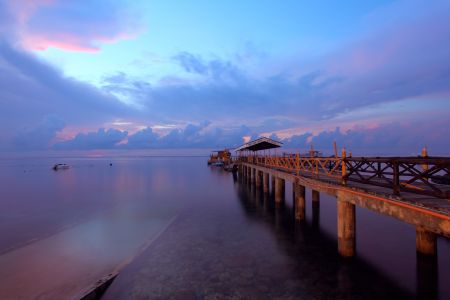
(314, 253)
(427, 277)
(351, 274)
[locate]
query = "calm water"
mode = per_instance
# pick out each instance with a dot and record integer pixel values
(195, 233)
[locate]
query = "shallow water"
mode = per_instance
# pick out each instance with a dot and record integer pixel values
(208, 236)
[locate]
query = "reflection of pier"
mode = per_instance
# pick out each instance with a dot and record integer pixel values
(313, 249)
(403, 188)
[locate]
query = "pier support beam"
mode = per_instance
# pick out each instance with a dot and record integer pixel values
(299, 202)
(253, 176)
(249, 174)
(258, 178)
(273, 184)
(315, 208)
(279, 189)
(315, 196)
(425, 242)
(266, 183)
(346, 227)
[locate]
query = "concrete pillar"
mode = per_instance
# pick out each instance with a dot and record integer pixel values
(315, 208)
(258, 178)
(315, 196)
(257, 195)
(299, 203)
(279, 189)
(266, 183)
(346, 227)
(253, 176)
(425, 242)
(249, 174)
(273, 183)
(293, 190)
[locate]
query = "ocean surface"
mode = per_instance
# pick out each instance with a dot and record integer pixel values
(175, 228)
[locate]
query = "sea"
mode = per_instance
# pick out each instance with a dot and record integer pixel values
(173, 227)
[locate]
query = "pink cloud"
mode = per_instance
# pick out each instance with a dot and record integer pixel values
(70, 26)
(69, 42)
(66, 42)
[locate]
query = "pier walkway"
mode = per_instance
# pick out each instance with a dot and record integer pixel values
(412, 189)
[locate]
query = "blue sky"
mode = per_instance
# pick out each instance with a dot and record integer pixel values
(172, 74)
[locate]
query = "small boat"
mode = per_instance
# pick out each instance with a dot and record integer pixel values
(57, 167)
(219, 158)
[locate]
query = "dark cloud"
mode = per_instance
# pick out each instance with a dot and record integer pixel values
(30, 90)
(142, 139)
(388, 139)
(192, 136)
(102, 139)
(40, 136)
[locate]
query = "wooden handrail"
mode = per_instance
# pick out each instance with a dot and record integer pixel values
(397, 173)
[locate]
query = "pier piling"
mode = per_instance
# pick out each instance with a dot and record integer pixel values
(315, 204)
(425, 242)
(258, 178)
(279, 189)
(299, 202)
(346, 227)
(266, 183)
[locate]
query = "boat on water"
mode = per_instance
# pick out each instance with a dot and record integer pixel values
(57, 167)
(220, 158)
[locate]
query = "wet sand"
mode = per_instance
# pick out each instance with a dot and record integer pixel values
(65, 265)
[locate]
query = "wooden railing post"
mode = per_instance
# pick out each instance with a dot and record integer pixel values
(425, 167)
(396, 177)
(316, 161)
(344, 167)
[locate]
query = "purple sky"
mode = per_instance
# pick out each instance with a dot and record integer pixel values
(103, 74)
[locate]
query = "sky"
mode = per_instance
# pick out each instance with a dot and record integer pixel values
(374, 76)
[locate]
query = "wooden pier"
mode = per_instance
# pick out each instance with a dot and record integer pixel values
(401, 187)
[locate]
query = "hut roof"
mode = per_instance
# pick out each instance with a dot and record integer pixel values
(260, 144)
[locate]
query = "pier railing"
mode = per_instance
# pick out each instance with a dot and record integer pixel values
(419, 175)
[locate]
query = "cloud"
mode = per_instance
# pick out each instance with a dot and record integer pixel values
(30, 90)
(191, 63)
(405, 61)
(102, 139)
(71, 25)
(40, 136)
(200, 135)
(143, 139)
(386, 139)
(395, 62)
